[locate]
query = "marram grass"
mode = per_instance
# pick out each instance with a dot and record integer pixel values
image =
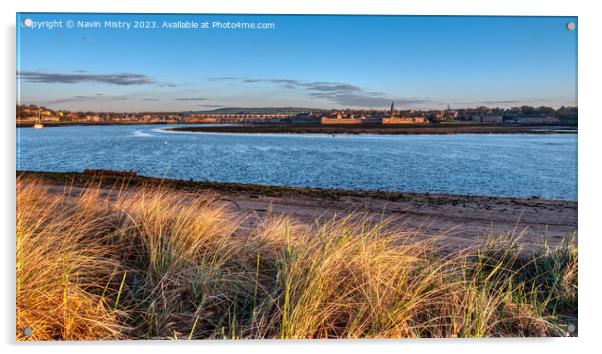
(159, 264)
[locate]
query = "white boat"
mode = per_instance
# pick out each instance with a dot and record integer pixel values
(38, 124)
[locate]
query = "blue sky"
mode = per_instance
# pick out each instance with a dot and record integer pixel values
(307, 61)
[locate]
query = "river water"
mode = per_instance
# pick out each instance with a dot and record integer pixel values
(520, 165)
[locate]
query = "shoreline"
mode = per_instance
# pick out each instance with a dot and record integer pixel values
(110, 179)
(91, 124)
(464, 221)
(414, 129)
(418, 129)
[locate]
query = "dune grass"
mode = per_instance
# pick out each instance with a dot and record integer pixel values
(154, 263)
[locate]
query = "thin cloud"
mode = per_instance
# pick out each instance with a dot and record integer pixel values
(367, 100)
(190, 99)
(168, 84)
(331, 87)
(345, 94)
(120, 79)
(81, 98)
(220, 78)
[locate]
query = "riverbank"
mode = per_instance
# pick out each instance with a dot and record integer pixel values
(463, 128)
(92, 124)
(413, 129)
(464, 221)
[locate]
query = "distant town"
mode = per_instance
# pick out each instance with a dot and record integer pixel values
(29, 114)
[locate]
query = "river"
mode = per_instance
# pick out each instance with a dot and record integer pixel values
(513, 165)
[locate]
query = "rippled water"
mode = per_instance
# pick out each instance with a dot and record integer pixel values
(496, 164)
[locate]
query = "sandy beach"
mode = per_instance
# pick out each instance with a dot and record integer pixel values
(461, 222)
(457, 221)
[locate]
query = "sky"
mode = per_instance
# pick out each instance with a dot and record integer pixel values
(329, 62)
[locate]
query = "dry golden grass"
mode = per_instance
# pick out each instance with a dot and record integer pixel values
(63, 262)
(159, 264)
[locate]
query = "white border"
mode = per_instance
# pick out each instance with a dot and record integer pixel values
(589, 162)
